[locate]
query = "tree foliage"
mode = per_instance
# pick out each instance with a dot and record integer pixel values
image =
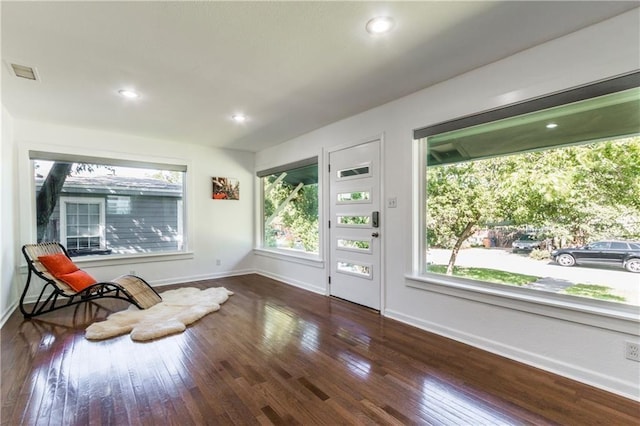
(579, 192)
(298, 220)
(49, 193)
(48, 196)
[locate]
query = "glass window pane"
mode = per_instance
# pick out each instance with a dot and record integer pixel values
(290, 210)
(354, 220)
(354, 268)
(357, 196)
(153, 222)
(354, 244)
(362, 170)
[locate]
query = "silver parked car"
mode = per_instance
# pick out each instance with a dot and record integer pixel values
(527, 242)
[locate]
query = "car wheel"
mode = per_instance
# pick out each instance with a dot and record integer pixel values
(566, 260)
(633, 265)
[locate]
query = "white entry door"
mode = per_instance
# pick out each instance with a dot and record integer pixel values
(355, 221)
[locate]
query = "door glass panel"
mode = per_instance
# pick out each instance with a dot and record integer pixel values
(353, 197)
(355, 171)
(356, 245)
(354, 268)
(353, 220)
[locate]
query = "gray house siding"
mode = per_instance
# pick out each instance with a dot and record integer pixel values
(151, 226)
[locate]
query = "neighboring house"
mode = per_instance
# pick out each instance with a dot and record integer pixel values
(116, 215)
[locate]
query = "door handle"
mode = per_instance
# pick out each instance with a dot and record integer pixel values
(375, 235)
(375, 219)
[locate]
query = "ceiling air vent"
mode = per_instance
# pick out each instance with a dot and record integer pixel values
(23, 71)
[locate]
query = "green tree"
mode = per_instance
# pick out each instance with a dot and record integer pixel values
(588, 191)
(299, 217)
(581, 191)
(49, 193)
(461, 197)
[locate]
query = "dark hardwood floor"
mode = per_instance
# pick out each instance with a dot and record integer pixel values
(278, 355)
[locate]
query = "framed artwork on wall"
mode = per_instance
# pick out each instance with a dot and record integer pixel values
(225, 188)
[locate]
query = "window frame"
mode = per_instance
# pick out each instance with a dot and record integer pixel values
(605, 314)
(82, 200)
(313, 259)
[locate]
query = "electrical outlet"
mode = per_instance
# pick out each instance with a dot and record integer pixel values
(218, 262)
(632, 351)
(392, 202)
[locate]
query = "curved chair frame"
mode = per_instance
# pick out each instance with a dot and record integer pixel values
(57, 294)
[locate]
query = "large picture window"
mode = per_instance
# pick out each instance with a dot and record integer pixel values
(290, 207)
(543, 195)
(107, 206)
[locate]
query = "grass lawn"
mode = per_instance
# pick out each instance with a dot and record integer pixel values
(484, 274)
(511, 278)
(594, 291)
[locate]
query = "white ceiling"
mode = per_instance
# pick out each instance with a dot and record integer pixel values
(292, 67)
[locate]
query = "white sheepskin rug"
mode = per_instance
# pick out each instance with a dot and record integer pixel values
(178, 309)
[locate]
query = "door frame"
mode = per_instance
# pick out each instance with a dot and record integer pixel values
(326, 213)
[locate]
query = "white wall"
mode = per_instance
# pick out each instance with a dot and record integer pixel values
(587, 353)
(217, 229)
(8, 250)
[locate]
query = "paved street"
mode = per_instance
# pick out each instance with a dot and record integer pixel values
(554, 277)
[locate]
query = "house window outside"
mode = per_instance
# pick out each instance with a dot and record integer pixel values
(103, 206)
(504, 199)
(290, 208)
(82, 224)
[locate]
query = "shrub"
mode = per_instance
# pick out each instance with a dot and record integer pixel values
(540, 254)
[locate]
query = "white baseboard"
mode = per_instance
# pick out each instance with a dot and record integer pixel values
(8, 312)
(624, 388)
(295, 283)
(192, 278)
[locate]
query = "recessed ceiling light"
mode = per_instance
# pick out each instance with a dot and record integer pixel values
(380, 25)
(239, 118)
(552, 126)
(129, 93)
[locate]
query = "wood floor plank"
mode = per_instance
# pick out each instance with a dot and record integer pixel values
(278, 355)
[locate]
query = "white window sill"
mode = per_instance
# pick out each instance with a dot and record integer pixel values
(295, 257)
(607, 315)
(125, 259)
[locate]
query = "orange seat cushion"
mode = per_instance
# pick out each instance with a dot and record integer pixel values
(58, 264)
(65, 270)
(78, 280)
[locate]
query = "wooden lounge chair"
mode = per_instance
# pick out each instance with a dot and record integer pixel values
(57, 293)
